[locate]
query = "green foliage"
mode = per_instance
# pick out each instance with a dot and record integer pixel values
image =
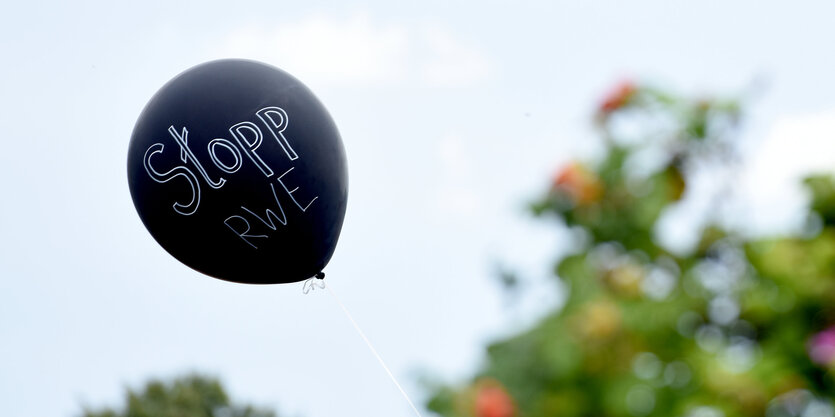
(190, 396)
(737, 327)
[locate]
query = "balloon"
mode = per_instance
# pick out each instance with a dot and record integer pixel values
(239, 172)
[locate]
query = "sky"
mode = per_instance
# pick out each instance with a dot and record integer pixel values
(453, 116)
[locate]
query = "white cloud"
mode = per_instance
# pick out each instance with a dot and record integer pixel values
(328, 49)
(770, 198)
(797, 146)
(359, 50)
(456, 195)
(452, 62)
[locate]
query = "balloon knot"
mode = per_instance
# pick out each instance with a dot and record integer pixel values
(317, 281)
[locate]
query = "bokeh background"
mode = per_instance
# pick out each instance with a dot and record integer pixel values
(455, 117)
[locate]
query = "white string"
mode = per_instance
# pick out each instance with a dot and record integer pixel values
(368, 342)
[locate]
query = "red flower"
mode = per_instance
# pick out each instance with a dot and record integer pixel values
(492, 400)
(617, 97)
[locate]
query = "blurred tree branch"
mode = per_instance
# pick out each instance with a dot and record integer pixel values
(736, 327)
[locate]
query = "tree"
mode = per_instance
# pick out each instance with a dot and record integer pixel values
(188, 396)
(734, 327)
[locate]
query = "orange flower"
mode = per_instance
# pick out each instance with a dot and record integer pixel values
(579, 183)
(492, 400)
(617, 97)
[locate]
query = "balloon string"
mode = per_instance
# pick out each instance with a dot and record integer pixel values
(321, 284)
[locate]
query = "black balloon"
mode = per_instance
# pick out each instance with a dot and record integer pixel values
(238, 171)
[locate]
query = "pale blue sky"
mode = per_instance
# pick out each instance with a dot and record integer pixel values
(452, 114)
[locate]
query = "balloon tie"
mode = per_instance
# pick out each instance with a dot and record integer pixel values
(319, 281)
(312, 283)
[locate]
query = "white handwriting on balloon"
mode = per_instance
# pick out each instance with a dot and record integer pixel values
(248, 137)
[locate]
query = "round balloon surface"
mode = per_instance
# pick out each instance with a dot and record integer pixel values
(239, 172)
